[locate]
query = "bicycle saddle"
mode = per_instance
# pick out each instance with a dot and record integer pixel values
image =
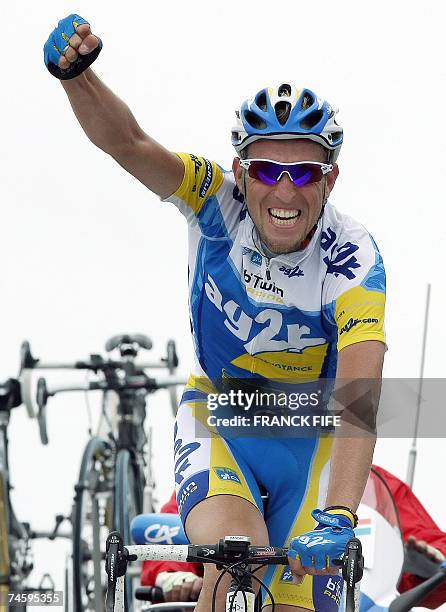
(116, 341)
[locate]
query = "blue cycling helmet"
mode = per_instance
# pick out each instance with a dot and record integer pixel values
(287, 112)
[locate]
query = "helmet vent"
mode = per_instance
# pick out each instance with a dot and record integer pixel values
(284, 90)
(309, 122)
(261, 101)
(254, 120)
(307, 101)
(282, 111)
(336, 137)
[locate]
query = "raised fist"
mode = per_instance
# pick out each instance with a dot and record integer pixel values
(71, 48)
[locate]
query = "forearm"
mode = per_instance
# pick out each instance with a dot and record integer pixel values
(105, 118)
(350, 468)
(357, 393)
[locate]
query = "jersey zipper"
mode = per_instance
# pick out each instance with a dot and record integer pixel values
(268, 274)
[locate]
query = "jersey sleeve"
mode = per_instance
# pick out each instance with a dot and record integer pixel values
(354, 292)
(202, 178)
(207, 197)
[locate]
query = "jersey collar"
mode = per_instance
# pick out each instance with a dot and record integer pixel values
(250, 239)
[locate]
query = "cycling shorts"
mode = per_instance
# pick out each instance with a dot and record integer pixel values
(293, 471)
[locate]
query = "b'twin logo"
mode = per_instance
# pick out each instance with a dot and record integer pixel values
(258, 282)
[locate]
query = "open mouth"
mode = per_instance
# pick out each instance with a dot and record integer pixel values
(284, 216)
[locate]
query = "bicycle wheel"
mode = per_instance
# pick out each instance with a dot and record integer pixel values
(68, 585)
(91, 523)
(4, 539)
(129, 487)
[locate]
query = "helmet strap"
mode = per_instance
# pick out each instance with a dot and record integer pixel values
(245, 195)
(311, 233)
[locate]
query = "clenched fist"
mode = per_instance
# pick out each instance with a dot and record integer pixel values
(71, 48)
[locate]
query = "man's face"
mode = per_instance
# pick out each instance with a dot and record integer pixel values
(268, 202)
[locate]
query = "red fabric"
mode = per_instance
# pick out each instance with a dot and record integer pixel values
(151, 569)
(416, 521)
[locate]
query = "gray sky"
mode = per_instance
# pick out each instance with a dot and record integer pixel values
(88, 252)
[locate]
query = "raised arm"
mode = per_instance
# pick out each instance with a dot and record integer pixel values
(105, 118)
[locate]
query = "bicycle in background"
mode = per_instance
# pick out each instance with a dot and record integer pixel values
(16, 560)
(115, 478)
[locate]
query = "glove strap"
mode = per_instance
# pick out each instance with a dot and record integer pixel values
(77, 67)
(343, 510)
(338, 521)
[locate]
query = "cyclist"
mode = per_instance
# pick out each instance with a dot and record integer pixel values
(282, 286)
(182, 582)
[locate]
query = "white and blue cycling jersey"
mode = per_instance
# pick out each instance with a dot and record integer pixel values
(284, 317)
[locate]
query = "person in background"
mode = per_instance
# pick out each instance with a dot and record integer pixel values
(179, 581)
(183, 581)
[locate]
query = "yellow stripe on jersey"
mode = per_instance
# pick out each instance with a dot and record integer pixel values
(289, 593)
(202, 178)
(201, 383)
(359, 315)
(278, 366)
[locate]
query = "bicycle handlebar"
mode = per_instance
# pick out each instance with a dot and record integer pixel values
(97, 362)
(140, 382)
(150, 385)
(128, 345)
(49, 535)
(95, 366)
(229, 553)
(211, 553)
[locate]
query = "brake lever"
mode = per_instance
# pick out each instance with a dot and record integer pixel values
(42, 400)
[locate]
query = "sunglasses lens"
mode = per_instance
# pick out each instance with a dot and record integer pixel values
(269, 172)
(305, 174)
(265, 171)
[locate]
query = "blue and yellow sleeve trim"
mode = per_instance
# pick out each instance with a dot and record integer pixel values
(202, 179)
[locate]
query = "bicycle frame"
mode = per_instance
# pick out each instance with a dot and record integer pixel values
(4, 512)
(15, 536)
